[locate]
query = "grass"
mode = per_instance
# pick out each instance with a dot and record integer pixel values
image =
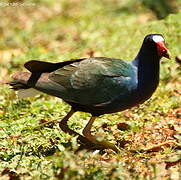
(57, 31)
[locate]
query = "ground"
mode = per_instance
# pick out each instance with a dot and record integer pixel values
(149, 135)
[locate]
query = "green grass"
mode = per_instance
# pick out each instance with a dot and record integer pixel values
(58, 31)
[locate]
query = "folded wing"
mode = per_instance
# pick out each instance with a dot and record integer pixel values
(94, 80)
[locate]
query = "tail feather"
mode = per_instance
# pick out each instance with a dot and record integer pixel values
(29, 84)
(19, 83)
(16, 85)
(22, 77)
(20, 80)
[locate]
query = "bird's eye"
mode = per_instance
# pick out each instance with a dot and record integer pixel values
(149, 40)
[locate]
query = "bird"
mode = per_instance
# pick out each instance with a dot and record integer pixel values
(96, 85)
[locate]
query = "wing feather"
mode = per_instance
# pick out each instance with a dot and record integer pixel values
(94, 80)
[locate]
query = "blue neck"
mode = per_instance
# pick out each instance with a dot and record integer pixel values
(148, 67)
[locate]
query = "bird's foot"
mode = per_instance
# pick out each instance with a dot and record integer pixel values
(102, 144)
(88, 142)
(66, 129)
(82, 140)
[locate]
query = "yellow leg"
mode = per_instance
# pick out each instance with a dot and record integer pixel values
(64, 127)
(87, 133)
(87, 130)
(63, 124)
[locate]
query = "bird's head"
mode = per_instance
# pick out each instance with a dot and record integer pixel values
(157, 40)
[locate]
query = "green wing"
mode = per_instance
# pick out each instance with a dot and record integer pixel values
(94, 80)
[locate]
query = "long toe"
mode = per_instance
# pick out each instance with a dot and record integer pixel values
(103, 144)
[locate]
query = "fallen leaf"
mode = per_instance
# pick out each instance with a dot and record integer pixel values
(123, 126)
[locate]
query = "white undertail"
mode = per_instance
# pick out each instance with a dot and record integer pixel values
(24, 93)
